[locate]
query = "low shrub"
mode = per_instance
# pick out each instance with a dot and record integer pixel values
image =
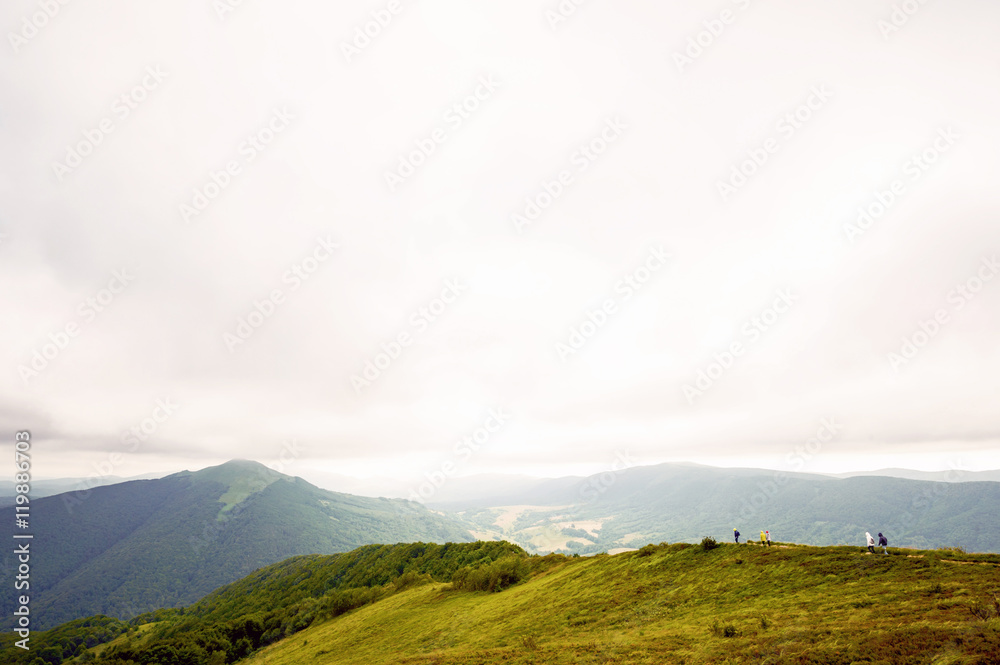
(342, 601)
(708, 543)
(411, 579)
(495, 576)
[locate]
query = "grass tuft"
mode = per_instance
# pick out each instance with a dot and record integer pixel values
(724, 629)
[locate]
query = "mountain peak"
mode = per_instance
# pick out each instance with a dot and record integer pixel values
(242, 478)
(236, 468)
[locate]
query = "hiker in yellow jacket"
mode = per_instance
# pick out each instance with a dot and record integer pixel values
(761, 537)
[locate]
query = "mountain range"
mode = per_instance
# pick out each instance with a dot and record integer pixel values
(681, 502)
(133, 547)
(141, 545)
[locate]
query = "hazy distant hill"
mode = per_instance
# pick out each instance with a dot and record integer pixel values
(954, 476)
(671, 502)
(42, 488)
(499, 489)
(137, 546)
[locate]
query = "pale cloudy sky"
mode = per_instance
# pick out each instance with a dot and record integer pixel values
(626, 124)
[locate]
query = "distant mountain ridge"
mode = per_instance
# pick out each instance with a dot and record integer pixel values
(950, 476)
(487, 486)
(48, 487)
(137, 546)
(671, 502)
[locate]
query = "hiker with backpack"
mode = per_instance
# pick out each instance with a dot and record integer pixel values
(883, 542)
(761, 537)
(871, 542)
(736, 535)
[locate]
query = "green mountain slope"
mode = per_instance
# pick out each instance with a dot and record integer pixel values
(267, 605)
(661, 604)
(672, 605)
(683, 502)
(290, 582)
(137, 546)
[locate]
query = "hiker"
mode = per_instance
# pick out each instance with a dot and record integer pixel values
(871, 542)
(761, 537)
(883, 542)
(736, 535)
(768, 534)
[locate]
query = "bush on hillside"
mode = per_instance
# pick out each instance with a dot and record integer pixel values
(539, 564)
(708, 543)
(343, 601)
(496, 576)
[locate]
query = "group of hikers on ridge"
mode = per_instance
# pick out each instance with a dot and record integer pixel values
(765, 537)
(883, 542)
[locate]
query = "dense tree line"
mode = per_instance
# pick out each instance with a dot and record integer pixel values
(68, 640)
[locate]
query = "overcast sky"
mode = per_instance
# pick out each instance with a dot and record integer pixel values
(382, 187)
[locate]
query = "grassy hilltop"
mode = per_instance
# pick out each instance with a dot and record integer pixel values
(681, 603)
(676, 603)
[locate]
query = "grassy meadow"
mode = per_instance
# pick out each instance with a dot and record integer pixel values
(684, 604)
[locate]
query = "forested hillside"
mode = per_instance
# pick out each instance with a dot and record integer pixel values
(275, 602)
(134, 547)
(668, 502)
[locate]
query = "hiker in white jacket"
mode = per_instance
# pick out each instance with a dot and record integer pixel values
(871, 542)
